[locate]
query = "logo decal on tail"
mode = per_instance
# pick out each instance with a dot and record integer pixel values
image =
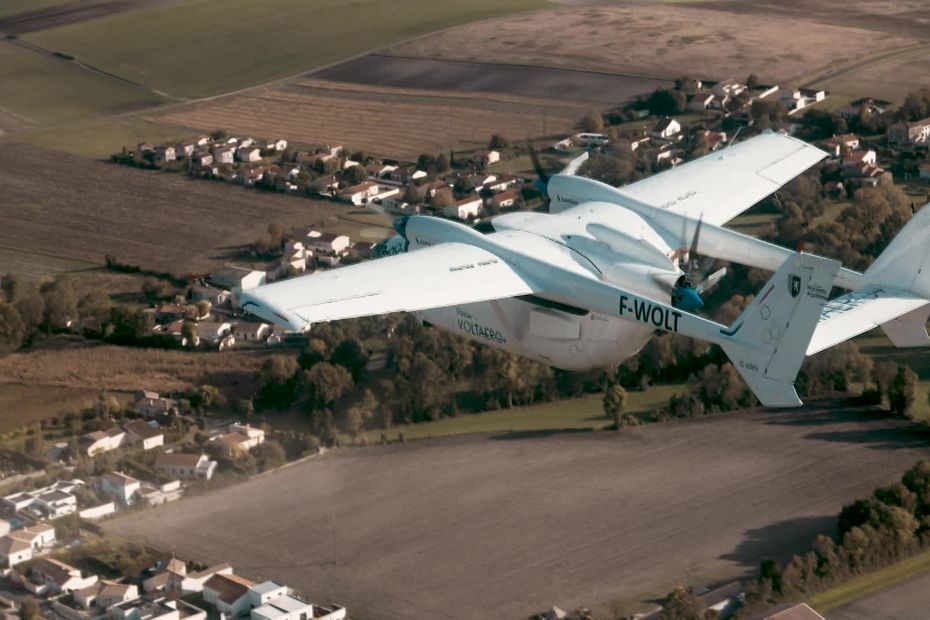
(794, 285)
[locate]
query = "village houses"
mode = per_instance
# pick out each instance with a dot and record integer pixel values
(186, 466)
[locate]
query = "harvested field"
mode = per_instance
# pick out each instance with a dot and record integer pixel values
(78, 363)
(66, 206)
(62, 14)
(891, 77)
(385, 121)
(507, 525)
(660, 40)
(450, 75)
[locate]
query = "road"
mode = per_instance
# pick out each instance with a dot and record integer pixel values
(507, 525)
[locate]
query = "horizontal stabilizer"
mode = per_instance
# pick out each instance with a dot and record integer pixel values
(857, 312)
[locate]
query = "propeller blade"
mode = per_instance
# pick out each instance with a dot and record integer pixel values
(575, 164)
(710, 281)
(693, 250)
(537, 165)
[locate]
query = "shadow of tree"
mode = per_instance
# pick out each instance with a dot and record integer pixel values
(780, 540)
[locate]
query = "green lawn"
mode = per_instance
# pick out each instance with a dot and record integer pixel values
(21, 405)
(207, 47)
(101, 137)
(578, 413)
(35, 266)
(44, 90)
(860, 587)
(12, 7)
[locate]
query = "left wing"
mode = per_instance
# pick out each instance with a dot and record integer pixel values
(855, 313)
(721, 185)
(438, 276)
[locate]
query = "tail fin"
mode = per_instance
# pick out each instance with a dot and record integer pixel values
(768, 341)
(905, 265)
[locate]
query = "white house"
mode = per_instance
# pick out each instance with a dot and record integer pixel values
(183, 583)
(241, 438)
(699, 102)
(186, 466)
(666, 129)
(99, 442)
(151, 404)
(119, 486)
(229, 594)
(14, 551)
(144, 434)
(238, 279)
(359, 194)
(283, 608)
(729, 88)
(58, 577)
(161, 608)
(486, 158)
(248, 154)
(464, 209)
(588, 139)
(224, 155)
(215, 330)
(165, 153)
(326, 242)
(251, 332)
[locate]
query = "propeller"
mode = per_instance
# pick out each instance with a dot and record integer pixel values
(696, 279)
(542, 177)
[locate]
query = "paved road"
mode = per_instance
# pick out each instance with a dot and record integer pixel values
(505, 526)
(907, 601)
(453, 75)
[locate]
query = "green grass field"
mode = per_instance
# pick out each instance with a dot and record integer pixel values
(207, 47)
(21, 405)
(865, 585)
(579, 413)
(44, 90)
(101, 137)
(12, 7)
(34, 266)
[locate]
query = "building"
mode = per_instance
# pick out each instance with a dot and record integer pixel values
(839, 144)
(53, 501)
(99, 442)
(156, 608)
(120, 487)
(237, 279)
(483, 159)
(251, 332)
(284, 607)
(161, 494)
(326, 242)
(723, 601)
(248, 154)
(165, 153)
(229, 594)
(666, 129)
(183, 583)
(910, 133)
(144, 434)
(699, 102)
(216, 331)
(54, 576)
(464, 209)
(224, 155)
(186, 466)
(150, 404)
(14, 551)
(359, 194)
(587, 139)
(728, 88)
(506, 199)
(241, 438)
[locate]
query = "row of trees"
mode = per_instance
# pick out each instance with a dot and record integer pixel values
(890, 525)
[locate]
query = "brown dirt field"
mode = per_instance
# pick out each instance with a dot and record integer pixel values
(22, 405)
(505, 526)
(459, 76)
(389, 122)
(67, 206)
(68, 13)
(660, 40)
(77, 363)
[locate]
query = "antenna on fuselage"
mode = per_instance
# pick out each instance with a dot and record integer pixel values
(735, 136)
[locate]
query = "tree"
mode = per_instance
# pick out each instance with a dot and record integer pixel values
(442, 197)
(208, 397)
(12, 330)
(426, 162)
(607, 169)
(31, 308)
(902, 391)
(355, 174)
(269, 454)
(60, 304)
(665, 102)
(752, 81)
(278, 377)
(497, 141)
(443, 163)
(351, 355)
(592, 121)
(325, 384)
(9, 285)
(682, 604)
(29, 609)
(614, 404)
(95, 304)
(190, 333)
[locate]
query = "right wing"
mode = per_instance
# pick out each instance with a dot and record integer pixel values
(719, 186)
(855, 313)
(434, 277)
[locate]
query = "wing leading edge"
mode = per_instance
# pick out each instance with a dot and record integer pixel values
(442, 275)
(721, 185)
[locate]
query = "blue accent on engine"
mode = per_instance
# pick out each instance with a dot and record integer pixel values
(686, 298)
(400, 225)
(542, 187)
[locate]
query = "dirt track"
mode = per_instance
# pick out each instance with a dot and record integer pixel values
(501, 527)
(450, 75)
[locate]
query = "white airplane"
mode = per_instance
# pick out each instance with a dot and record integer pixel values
(589, 283)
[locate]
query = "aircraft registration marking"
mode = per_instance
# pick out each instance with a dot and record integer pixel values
(650, 314)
